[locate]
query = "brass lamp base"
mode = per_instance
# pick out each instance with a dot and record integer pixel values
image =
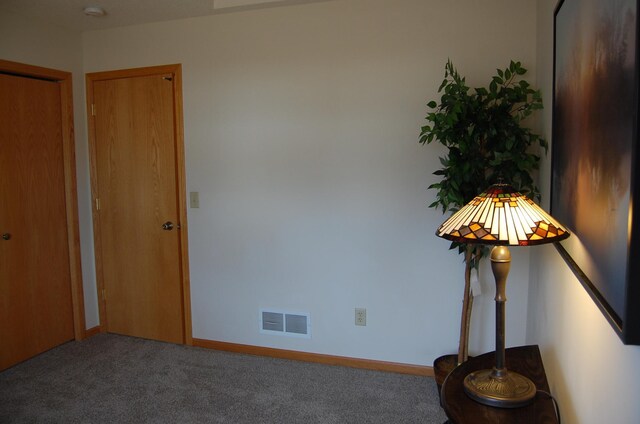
(499, 388)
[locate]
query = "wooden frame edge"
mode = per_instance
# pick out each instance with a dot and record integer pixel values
(344, 361)
(90, 332)
(182, 201)
(70, 181)
(33, 71)
(135, 72)
(71, 194)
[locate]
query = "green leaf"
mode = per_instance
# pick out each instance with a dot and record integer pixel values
(432, 104)
(509, 143)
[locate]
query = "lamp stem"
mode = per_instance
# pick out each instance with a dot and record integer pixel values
(500, 265)
(500, 330)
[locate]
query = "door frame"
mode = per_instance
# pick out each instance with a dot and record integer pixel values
(176, 71)
(70, 181)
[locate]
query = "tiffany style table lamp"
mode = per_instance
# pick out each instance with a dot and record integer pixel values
(501, 217)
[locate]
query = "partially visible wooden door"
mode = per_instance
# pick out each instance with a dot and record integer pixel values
(137, 180)
(36, 310)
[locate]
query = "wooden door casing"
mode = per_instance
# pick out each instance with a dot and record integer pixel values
(138, 184)
(41, 289)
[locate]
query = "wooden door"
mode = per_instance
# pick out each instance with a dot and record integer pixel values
(36, 310)
(137, 182)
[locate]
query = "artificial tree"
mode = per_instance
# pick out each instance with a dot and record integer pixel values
(482, 128)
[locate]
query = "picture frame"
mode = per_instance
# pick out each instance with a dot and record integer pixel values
(595, 168)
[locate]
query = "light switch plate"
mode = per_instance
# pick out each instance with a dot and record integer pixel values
(194, 199)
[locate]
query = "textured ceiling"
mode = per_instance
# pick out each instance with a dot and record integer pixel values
(68, 13)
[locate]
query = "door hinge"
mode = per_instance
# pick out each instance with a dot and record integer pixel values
(97, 204)
(93, 109)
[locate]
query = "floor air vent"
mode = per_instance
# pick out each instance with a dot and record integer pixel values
(285, 323)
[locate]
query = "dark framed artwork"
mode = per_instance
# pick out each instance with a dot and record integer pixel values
(595, 155)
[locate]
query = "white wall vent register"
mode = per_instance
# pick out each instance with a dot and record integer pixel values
(282, 323)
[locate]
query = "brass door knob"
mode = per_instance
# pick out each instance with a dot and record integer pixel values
(6, 236)
(167, 226)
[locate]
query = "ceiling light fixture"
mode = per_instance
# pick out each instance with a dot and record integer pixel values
(94, 11)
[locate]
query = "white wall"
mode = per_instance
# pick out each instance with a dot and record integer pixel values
(594, 376)
(301, 127)
(34, 43)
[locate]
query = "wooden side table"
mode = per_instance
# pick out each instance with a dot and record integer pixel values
(526, 360)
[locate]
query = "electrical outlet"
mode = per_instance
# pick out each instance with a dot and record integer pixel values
(361, 316)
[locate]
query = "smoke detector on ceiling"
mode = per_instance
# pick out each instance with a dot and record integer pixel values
(94, 11)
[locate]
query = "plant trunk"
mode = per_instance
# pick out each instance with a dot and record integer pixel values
(467, 302)
(468, 326)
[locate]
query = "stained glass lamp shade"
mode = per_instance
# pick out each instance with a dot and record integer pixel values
(502, 217)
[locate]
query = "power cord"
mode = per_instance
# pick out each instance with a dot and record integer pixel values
(555, 404)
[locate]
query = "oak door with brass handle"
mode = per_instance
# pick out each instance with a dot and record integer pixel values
(137, 244)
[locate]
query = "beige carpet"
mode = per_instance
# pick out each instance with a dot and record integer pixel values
(117, 379)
